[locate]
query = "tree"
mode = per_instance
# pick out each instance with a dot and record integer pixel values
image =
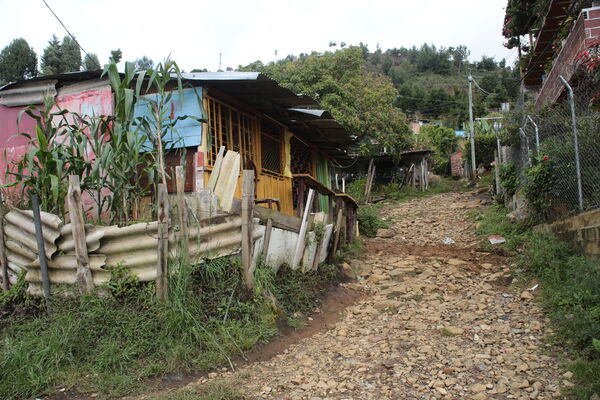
(116, 55)
(440, 139)
(144, 63)
(91, 62)
(51, 59)
(61, 57)
(360, 100)
(17, 61)
(70, 55)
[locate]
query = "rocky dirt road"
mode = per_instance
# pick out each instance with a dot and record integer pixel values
(436, 322)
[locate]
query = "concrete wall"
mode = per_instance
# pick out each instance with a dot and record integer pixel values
(582, 230)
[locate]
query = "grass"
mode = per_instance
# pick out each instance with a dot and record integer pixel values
(570, 294)
(210, 391)
(111, 344)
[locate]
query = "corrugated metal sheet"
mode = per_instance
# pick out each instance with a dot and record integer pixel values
(20, 242)
(62, 269)
(93, 234)
(28, 93)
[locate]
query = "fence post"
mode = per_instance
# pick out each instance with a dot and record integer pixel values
(84, 275)
(181, 206)
(163, 243)
(35, 204)
(247, 222)
(497, 171)
(537, 135)
(576, 143)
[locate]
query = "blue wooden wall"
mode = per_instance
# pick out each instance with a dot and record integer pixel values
(188, 132)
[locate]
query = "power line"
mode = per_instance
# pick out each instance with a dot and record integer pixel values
(63, 25)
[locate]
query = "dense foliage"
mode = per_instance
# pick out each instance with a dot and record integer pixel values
(362, 101)
(91, 62)
(485, 144)
(17, 61)
(431, 81)
(443, 141)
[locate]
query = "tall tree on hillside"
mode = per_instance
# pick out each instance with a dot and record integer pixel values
(116, 55)
(70, 55)
(51, 59)
(17, 61)
(61, 57)
(91, 62)
(144, 63)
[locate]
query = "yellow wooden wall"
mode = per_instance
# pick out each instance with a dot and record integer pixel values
(268, 187)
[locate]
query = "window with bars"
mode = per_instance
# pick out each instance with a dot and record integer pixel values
(231, 128)
(301, 163)
(270, 144)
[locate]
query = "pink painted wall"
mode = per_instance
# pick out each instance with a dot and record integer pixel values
(96, 101)
(8, 126)
(12, 147)
(90, 102)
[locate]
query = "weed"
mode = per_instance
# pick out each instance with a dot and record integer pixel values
(446, 332)
(298, 292)
(210, 391)
(570, 294)
(369, 220)
(110, 344)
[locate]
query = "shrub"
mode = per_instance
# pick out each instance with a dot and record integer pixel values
(509, 178)
(540, 187)
(369, 220)
(485, 144)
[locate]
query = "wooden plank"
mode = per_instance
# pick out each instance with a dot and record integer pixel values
(163, 243)
(300, 198)
(228, 180)
(280, 220)
(336, 233)
(347, 199)
(181, 205)
(267, 239)
(303, 228)
(226, 166)
(311, 182)
(368, 182)
(247, 205)
(214, 175)
(84, 274)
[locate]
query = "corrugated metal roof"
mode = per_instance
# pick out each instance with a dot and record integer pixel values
(298, 112)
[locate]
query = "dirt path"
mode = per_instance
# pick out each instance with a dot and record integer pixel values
(437, 321)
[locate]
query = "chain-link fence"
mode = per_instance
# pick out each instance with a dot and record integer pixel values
(566, 136)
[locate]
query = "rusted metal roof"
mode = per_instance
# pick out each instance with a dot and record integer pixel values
(300, 113)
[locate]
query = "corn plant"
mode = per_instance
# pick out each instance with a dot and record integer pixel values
(160, 123)
(44, 168)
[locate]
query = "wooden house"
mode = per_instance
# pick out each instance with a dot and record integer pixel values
(277, 133)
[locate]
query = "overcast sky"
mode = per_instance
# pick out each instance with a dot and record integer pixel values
(194, 32)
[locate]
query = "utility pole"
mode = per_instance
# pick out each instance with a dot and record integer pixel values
(472, 133)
